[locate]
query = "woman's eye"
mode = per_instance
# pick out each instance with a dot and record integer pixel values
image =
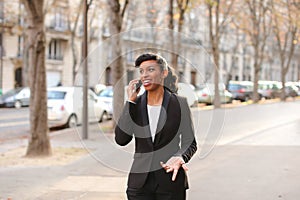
(151, 69)
(141, 71)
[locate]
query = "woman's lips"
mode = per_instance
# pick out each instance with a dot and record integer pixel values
(146, 83)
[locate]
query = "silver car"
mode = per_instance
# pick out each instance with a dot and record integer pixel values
(17, 98)
(207, 94)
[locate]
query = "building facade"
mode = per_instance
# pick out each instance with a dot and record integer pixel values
(64, 30)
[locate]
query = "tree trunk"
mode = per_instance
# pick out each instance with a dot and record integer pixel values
(171, 35)
(117, 64)
(214, 41)
(282, 93)
(73, 46)
(255, 96)
(39, 144)
(182, 6)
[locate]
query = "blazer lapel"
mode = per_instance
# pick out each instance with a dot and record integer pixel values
(162, 116)
(145, 118)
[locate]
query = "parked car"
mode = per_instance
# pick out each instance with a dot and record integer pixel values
(65, 106)
(17, 97)
(106, 97)
(188, 90)
(290, 90)
(99, 88)
(241, 90)
(267, 88)
(294, 86)
(206, 94)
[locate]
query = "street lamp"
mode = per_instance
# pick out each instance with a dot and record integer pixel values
(85, 74)
(1, 61)
(1, 43)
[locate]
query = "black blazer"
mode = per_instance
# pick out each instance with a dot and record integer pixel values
(174, 137)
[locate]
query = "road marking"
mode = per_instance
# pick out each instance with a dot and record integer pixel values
(6, 117)
(8, 124)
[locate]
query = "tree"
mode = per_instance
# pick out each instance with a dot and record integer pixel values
(39, 144)
(73, 35)
(285, 28)
(254, 22)
(171, 33)
(175, 45)
(182, 6)
(216, 26)
(116, 19)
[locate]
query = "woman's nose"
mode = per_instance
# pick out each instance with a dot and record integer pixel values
(144, 74)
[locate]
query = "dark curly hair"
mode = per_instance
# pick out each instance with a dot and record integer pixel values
(170, 82)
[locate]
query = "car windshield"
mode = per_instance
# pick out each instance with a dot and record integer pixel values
(234, 87)
(106, 93)
(56, 94)
(12, 92)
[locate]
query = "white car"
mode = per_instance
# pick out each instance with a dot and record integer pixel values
(106, 97)
(65, 106)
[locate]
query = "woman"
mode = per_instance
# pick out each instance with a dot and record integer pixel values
(161, 124)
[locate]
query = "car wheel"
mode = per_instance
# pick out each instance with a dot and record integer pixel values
(104, 117)
(72, 122)
(247, 98)
(18, 104)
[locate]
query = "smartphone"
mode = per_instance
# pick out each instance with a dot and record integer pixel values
(138, 85)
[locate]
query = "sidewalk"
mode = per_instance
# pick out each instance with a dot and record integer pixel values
(264, 166)
(80, 176)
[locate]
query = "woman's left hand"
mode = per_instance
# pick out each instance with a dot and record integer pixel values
(173, 165)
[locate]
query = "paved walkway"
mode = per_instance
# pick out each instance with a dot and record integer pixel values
(84, 178)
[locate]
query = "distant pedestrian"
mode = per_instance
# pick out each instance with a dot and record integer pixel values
(160, 122)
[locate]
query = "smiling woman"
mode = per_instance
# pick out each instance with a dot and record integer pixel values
(160, 122)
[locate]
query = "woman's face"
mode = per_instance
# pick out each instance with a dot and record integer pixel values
(151, 75)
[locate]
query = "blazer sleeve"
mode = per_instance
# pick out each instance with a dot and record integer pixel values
(124, 127)
(186, 130)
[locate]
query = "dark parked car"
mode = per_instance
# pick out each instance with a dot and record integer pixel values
(17, 97)
(241, 90)
(290, 91)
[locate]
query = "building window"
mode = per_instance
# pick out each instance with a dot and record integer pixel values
(21, 18)
(20, 46)
(130, 56)
(59, 21)
(55, 50)
(108, 79)
(130, 76)
(1, 11)
(2, 50)
(18, 77)
(193, 77)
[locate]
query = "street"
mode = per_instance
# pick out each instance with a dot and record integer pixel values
(248, 152)
(14, 123)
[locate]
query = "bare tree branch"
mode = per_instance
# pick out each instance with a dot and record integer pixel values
(124, 8)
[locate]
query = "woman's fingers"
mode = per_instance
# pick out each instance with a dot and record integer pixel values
(184, 167)
(174, 167)
(131, 90)
(164, 165)
(175, 171)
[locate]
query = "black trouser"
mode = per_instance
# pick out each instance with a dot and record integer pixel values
(151, 191)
